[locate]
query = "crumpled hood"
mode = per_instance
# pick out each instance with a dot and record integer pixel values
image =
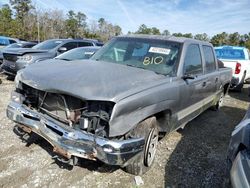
(22, 51)
(89, 80)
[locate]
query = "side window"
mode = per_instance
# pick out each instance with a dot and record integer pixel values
(12, 41)
(28, 45)
(82, 44)
(209, 59)
(192, 61)
(70, 45)
(99, 44)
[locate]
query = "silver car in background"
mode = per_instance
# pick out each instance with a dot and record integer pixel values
(78, 53)
(239, 153)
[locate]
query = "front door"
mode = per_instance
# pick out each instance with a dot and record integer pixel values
(192, 90)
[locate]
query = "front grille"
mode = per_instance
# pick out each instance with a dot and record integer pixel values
(10, 57)
(90, 116)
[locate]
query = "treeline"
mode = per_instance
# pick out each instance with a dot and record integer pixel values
(234, 39)
(20, 19)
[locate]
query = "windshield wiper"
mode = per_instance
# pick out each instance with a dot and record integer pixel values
(135, 66)
(63, 59)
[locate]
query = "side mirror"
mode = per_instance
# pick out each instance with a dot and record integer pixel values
(62, 49)
(187, 77)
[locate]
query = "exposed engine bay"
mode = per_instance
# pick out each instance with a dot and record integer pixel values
(90, 116)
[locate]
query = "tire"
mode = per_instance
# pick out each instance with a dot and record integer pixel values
(143, 161)
(219, 103)
(238, 88)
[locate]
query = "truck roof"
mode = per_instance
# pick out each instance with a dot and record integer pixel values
(164, 37)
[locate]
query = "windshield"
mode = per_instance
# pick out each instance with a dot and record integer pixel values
(77, 53)
(230, 54)
(159, 56)
(47, 45)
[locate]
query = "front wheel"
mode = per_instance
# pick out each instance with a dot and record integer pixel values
(142, 163)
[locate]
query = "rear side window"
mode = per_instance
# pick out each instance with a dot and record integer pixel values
(209, 59)
(12, 41)
(192, 61)
(28, 45)
(99, 44)
(82, 44)
(70, 45)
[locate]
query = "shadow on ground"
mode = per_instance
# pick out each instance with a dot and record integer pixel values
(199, 159)
(243, 95)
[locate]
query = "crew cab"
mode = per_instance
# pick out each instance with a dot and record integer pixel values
(114, 106)
(16, 59)
(238, 59)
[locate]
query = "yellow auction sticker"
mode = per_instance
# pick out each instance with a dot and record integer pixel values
(153, 60)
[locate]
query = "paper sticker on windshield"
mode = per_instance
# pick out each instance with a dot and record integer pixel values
(159, 50)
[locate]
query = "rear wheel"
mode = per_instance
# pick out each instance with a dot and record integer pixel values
(142, 163)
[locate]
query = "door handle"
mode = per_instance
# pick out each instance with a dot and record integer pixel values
(204, 84)
(216, 80)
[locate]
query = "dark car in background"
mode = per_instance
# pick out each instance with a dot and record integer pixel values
(22, 44)
(78, 53)
(16, 59)
(239, 153)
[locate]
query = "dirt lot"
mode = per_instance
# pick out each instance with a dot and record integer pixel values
(192, 157)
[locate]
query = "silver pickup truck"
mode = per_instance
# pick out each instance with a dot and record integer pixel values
(114, 106)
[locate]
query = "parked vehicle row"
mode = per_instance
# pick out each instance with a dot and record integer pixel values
(114, 106)
(17, 59)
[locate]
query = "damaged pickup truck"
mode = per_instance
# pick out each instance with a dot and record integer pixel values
(114, 106)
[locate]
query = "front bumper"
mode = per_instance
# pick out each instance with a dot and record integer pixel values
(70, 142)
(240, 171)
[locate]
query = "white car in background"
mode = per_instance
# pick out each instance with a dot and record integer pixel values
(236, 58)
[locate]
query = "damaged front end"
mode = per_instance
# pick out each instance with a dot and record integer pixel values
(74, 127)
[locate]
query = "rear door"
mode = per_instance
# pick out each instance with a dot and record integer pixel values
(213, 85)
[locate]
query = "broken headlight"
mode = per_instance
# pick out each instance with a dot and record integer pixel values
(95, 118)
(25, 58)
(17, 97)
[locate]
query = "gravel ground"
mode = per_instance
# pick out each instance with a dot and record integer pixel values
(192, 157)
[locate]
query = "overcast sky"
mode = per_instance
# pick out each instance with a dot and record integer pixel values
(185, 16)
